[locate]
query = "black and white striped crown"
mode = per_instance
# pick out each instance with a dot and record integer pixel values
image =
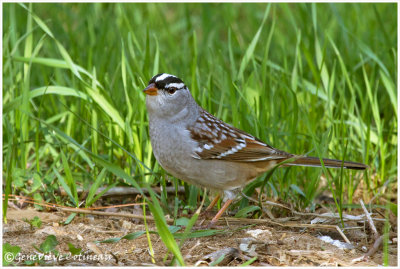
(165, 81)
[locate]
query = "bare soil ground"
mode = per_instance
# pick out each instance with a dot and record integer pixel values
(271, 244)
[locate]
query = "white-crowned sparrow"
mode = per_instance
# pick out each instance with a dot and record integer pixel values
(200, 149)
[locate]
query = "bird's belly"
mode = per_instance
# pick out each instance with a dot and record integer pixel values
(211, 174)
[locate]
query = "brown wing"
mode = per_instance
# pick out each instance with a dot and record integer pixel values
(218, 140)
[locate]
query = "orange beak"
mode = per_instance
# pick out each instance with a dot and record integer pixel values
(151, 89)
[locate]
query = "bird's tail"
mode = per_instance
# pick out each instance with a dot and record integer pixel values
(329, 163)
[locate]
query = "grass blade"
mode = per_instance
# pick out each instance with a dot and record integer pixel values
(95, 186)
(110, 110)
(249, 54)
(162, 228)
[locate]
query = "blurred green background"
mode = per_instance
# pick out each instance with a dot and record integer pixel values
(306, 78)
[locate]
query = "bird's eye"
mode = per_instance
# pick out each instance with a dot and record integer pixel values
(171, 90)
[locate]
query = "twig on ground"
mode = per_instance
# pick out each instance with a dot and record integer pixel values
(126, 191)
(371, 223)
(343, 235)
(326, 215)
(375, 247)
(124, 215)
(378, 238)
(371, 252)
(298, 225)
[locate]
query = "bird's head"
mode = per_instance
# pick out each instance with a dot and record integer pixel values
(167, 96)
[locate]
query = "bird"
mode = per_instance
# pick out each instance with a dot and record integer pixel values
(195, 146)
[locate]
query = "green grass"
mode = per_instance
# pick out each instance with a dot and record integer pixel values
(305, 78)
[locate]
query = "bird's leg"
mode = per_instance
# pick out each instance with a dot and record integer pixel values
(206, 212)
(220, 212)
(213, 202)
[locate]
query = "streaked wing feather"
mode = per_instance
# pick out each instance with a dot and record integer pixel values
(218, 140)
